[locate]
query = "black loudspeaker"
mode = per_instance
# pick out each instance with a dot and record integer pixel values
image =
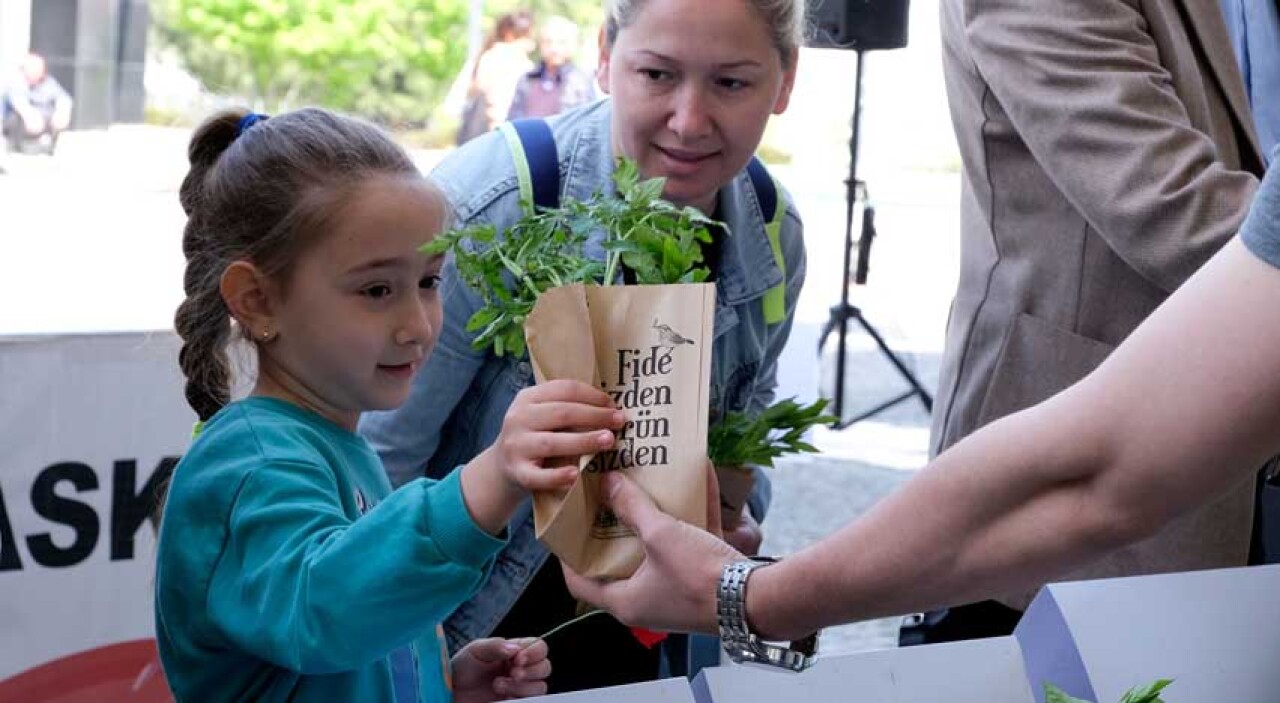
(862, 25)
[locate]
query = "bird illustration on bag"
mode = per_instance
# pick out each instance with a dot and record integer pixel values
(668, 337)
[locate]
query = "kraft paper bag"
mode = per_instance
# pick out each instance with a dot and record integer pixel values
(650, 348)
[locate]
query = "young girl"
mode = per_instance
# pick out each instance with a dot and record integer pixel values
(287, 568)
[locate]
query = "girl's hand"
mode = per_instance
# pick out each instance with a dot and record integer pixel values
(497, 669)
(545, 430)
(548, 427)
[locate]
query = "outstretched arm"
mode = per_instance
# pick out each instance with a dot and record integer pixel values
(1109, 461)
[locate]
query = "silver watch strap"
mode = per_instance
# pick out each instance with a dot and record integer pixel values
(735, 634)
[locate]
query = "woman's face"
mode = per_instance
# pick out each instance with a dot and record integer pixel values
(693, 85)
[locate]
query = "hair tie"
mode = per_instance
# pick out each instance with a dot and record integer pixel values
(248, 121)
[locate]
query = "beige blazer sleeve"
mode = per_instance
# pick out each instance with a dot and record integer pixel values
(1083, 84)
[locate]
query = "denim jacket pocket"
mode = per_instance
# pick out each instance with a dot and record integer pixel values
(735, 363)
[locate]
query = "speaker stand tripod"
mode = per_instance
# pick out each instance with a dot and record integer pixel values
(844, 312)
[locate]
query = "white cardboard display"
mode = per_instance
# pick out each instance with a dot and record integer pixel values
(979, 671)
(665, 691)
(1216, 633)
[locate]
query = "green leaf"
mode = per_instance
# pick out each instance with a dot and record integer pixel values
(482, 319)
(739, 439)
(435, 247)
(1149, 693)
(625, 175)
(1053, 694)
(648, 191)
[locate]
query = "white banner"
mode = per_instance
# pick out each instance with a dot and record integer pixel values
(89, 425)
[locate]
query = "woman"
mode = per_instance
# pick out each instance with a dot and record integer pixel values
(692, 84)
(1106, 463)
(501, 63)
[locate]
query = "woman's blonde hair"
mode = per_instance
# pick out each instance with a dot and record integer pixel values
(785, 19)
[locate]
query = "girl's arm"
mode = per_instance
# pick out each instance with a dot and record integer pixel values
(302, 586)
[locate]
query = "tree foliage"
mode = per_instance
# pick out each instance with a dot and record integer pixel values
(390, 60)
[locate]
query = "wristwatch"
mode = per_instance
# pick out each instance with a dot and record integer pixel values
(739, 642)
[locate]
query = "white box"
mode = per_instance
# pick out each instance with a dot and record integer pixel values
(665, 691)
(1216, 633)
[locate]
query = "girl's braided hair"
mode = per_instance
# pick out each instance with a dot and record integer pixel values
(260, 195)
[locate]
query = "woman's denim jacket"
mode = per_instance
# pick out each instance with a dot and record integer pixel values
(461, 395)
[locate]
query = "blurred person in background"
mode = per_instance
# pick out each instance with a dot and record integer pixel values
(556, 84)
(502, 62)
(36, 107)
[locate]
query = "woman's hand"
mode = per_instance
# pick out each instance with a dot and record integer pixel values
(675, 587)
(545, 430)
(743, 533)
(497, 669)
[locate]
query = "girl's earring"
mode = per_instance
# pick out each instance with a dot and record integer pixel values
(266, 336)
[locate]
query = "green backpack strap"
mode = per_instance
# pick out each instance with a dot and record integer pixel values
(533, 149)
(774, 205)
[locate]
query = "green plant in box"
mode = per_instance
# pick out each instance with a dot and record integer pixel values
(1149, 693)
(739, 441)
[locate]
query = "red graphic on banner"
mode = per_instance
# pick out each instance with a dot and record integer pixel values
(128, 672)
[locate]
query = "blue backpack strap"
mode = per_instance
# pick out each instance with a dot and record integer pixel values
(773, 207)
(533, 149)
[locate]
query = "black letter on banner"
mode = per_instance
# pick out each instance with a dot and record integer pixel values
(76, 515)
(129, 509)
(9, 559)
